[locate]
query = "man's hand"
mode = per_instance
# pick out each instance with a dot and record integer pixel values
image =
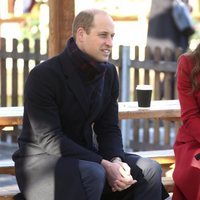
(118, 175)
(125, 170)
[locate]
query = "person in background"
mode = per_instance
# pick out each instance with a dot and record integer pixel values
(185, 36)
(68, 99)
(162, 30)
(164, 33)
(187, 145)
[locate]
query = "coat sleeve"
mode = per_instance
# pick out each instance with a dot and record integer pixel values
(109, 136)
(189, 101)
(42, 114)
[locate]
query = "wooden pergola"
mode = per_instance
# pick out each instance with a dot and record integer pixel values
(62, 13)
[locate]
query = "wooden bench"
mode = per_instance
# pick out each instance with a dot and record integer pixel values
(7, 167)
(7, 175)
(164, 157)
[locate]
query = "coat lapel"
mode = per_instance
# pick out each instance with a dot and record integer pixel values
(74, 82)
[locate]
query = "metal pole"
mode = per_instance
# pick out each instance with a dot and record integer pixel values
(125, 90)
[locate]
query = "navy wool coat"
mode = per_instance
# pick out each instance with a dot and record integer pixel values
(58, 128)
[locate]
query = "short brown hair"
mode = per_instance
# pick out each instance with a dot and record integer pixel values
(85, 20)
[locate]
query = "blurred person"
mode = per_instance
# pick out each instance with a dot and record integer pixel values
(68, 99)
(164, 33)
(187, 144)
(162, 29)
(28, 5)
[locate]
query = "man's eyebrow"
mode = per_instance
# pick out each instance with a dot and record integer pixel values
(106, 32)
(103, 31)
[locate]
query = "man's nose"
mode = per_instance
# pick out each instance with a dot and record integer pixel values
(109, 41)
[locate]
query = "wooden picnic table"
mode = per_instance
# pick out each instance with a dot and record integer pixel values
(10, 116)
(160, 109)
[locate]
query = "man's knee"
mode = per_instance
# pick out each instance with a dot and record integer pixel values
(92, 174)
(154, 167)
(97, 173)
(151, 169)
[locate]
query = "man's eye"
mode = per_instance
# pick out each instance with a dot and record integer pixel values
(102, 35)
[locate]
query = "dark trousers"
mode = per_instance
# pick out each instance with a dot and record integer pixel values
(147, 173)
(37, 181)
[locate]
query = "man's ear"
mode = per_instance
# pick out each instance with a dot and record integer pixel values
(80, 34)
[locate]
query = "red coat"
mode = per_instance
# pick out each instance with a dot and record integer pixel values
(187, 145)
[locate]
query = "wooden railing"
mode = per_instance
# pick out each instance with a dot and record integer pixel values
(156, 68)
(16, 63)
(13, 73)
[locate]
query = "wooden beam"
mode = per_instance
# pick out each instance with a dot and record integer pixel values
(12, 20)
(11, 6)
(125, 18)
(60, 22)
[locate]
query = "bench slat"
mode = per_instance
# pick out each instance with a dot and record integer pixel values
(7, 167)
(161, 156)
(9, 187)
(168, 183)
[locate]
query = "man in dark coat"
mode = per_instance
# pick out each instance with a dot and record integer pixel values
(68, 100)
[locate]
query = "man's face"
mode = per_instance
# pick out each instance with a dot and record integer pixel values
(98, 43)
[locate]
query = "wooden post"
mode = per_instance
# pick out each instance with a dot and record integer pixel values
(11, 6)
(60, 23)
